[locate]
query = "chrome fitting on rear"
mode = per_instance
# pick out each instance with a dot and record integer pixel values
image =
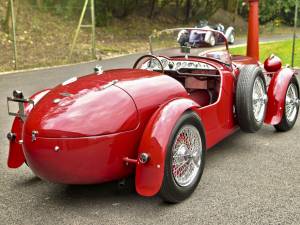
(18, 98)
(144, 158)
(98, 70)
(18, 94)
(11, 136)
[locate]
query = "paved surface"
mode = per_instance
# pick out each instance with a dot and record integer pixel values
(248, 179)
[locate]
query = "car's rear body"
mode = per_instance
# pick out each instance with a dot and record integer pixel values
(81, 131)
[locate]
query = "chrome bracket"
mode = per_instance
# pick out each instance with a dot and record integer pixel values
(144, 158)
(34, 133)
(98, 70)
(21, 101)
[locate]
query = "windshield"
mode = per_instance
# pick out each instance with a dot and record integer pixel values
(190, 42)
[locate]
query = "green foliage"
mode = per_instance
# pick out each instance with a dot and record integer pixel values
(64, 8)
(277, 11)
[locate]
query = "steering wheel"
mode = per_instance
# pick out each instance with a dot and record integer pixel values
(147, 59)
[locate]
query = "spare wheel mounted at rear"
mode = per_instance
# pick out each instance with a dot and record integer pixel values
(251, 98)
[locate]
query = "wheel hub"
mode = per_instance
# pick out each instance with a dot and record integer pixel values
(186, 158)
(259, 100)
(291, 103)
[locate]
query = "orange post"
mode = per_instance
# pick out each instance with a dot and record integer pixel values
(253, 30)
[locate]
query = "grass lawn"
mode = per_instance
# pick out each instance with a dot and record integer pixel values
(282, 49)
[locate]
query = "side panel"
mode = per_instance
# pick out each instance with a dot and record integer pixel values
(16, 156)
(84, 160)
(154, 142)
(219, 119)
(276, 95)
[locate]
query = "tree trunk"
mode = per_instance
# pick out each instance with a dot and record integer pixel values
(8, 21)
(188, 7)
(152, 8)
(236, 12)
(39, 3)
(176, 9)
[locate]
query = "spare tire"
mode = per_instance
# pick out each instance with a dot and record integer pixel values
(251, 98)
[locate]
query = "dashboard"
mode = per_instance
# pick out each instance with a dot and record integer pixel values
(175, 65)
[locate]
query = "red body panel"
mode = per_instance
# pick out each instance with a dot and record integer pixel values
(243, 60)
(276, 95)
(154, 142)
(218, 119)
(85, 160)
(66, 118)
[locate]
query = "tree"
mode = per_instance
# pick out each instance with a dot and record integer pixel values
(188, 8)
(152, 8)
(8, 17)
(8, 21)
(39, 3)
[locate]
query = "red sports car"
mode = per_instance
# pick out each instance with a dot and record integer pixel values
(154, 121)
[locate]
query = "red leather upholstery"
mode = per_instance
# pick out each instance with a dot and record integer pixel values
(202, 97)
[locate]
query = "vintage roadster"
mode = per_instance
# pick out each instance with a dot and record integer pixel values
(196, 38)
(154, 121)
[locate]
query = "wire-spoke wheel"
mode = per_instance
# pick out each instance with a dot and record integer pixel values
(186, 155)
(259, 100)
(291, 107)
(291, 103)
(185, 158)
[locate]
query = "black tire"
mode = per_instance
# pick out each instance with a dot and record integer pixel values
(244, 101)
(285, 124)
(170, 191)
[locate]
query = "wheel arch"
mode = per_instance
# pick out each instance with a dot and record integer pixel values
(154, 142)
(276, 95)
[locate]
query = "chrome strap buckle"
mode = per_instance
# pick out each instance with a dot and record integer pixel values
(18, 98)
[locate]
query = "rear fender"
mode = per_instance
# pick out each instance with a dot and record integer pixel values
(276, 95)
(16, 156)
(149, 176)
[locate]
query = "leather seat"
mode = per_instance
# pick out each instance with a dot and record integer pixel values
(202, 97)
